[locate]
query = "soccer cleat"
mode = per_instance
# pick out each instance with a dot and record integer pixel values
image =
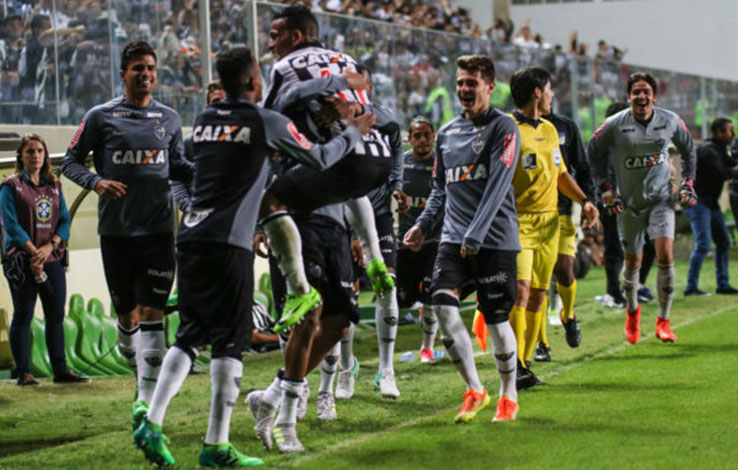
(225, 456)
(326, 407)
(474, 402)
(426, 356)
(149, 438)
(573, 335)
(507, 409)
(633, 325)
(264, 414)
(295, 308)
(663, 331)
(543, 353)
(526, 378)
(302, 401)
(644, 295)
(614, 301)
(285, 436)
(346, 380)
(379, 275)
(385, 382)
(138, 411)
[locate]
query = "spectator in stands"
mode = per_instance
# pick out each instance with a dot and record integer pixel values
(714, 167)
(524, 37)
(36, 223)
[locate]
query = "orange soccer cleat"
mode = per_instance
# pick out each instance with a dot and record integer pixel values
(633, 325)
(663, 331)
(474, 402)
(507, 409)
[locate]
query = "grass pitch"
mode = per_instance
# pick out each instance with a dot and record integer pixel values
(608, 404)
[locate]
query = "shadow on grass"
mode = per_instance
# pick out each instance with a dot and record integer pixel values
(708, 348)
(638, 357)
(618, 387)
(20, 447)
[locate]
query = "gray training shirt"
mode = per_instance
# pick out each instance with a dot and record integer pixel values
(638, 154)
(141, 147)
(474, 168)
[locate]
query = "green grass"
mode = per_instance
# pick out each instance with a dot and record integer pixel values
(608, 405)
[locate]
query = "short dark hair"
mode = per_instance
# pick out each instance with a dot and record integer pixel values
(298, 17)
(38, 21)
(422, 120)
(234, 68)
(616, 107)
(642, 77)
(361, 68)
(478, 63)
(213, 86)
(524, 81)
(135, 49)
(719, 124)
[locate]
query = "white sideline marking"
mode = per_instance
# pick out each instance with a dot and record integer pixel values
(597, 355)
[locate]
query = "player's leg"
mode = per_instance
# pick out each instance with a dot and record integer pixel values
(349, 366)
(661, 226)
(360, 216)
(632, 229)
(613, 257)
(328, 367)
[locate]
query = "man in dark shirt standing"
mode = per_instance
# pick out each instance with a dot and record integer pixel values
(714, 166)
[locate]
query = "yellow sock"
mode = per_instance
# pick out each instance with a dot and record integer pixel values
(533, 321)
(517, 321)
(568, 294)
(544, 319)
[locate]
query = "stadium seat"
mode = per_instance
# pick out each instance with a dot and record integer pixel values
(40, 364)
(70, 342)
(95, 320)
(88, 337)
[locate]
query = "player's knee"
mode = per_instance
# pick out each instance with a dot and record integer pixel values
(445, 297)
(191, 352)
(151, 314)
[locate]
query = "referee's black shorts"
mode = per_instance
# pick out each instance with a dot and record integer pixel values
(216, 287)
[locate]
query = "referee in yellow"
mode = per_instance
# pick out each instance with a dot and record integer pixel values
(540, 172)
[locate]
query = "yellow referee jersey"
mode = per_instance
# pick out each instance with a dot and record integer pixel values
(539, 166)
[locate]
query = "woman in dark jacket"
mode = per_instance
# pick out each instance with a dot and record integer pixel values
(36, 225)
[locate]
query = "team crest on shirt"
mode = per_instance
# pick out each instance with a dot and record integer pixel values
(159, 132)
(43, 209)
(562, 138)
(478, 145)
(194, 216)
(557, 157)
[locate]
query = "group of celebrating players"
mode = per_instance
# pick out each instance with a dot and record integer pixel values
(319, 162)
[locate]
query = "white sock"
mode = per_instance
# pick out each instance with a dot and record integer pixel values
(174, 370)
(505, 348)
(225, 377)
(284, 239)
(127, 342)
(429, 323)
(273, 393)
(665, 286)
(360, 216)
(386, 313)
(458, 343)
(150, 350)
(347, 348)
(328, 369)
(290, 394)
(630, 287)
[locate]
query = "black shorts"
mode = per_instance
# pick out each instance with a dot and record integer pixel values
(493, 273)
(304, 189)
(326, 253)
(216, 293)
(414, 274)
(138, 270)
(385, 224)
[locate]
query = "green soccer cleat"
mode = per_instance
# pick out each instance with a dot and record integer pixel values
(139, 410)
(149, 438)
(295, 308)
(379, 275)
(225, 456)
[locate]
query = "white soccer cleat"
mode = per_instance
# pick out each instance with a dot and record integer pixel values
(385, 381)
(326, 407)
(264, 415)
(302, 401)
(346, 382)
(285, 436)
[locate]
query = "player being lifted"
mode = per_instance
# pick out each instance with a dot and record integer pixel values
(136, 143)
(231, 141)
(634, 142)
(293, 37)
(476, 155)
(540, 171)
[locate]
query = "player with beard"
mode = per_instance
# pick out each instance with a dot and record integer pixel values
(634, 143)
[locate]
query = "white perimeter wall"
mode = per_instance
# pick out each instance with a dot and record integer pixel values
(692, 36)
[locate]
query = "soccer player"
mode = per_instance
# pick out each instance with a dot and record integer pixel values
(572, 152)
(634, 143)
(415, 267)
(137, 147)
(540, 171)
(232, 141)
(475, 161)
(294, 39)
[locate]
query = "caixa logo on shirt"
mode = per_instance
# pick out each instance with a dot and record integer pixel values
(644, 161)
(140, 157)
(475, 171)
